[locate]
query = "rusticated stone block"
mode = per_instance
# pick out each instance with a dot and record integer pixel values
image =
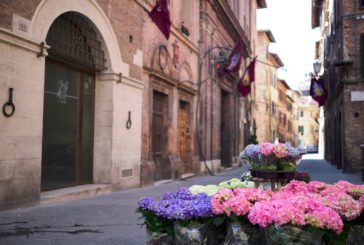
(147, 173)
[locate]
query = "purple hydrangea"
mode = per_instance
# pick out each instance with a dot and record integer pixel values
(146, 203)
(182, 205)
(168, 196)
(184, 194)
(293, 152)
(251, 150)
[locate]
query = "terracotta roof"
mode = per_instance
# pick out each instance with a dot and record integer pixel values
(269, 35)
(261, 4)
(275, 58)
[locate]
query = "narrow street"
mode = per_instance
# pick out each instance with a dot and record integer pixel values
(110, 219)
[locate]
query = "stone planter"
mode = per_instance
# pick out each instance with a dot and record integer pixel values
(293, 235)
(272, 175)
(244, 233)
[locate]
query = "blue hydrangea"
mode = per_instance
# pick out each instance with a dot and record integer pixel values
(146, 202)
(293, 152)
(251, 150)
(181, 205)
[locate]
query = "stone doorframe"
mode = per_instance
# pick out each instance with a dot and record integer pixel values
(105, 81)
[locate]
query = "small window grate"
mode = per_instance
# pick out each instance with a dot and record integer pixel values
(73, 39)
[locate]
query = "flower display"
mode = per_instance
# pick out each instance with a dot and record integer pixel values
(300, 207)
(289, 208)
(237, 201)
(266, 149)
(280, 150)
(180, 205)
(336, 196)
(272, 157)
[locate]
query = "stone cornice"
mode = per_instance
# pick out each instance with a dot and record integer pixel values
(21, 42)
(230, 22)
(171, 82)
(119, 78)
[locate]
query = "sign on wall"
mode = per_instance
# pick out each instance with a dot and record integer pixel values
(357, 95)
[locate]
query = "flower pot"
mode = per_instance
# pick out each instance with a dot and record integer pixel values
(244, 233)
(294, 235)
(156, 238)
(271, 175)
(191, 234)
(288, 175)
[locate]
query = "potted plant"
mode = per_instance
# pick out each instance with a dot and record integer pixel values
(234, 205)
(272, 161)
(159, 229)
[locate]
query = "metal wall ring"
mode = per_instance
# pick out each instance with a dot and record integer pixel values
(128, 124)
(12, 109)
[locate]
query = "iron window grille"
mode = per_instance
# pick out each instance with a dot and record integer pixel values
(73, 39)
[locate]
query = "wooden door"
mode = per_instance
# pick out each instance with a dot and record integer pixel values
(159, 136)
(225, 130)
(184, 137)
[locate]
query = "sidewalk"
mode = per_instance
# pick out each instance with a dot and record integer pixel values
(110, 218)
(106, 219)
(321, 170)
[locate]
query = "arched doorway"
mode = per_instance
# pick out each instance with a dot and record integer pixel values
(75, 55)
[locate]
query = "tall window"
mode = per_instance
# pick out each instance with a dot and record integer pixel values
(301, 129)
(301, 113)
(362, 52)
(273, 108)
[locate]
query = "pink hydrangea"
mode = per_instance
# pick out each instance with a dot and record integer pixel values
(316, 186)
(253, 194)
(353, 190)
(325, 218)
(295, 186)
(280, 150)
(218, 200)
(343, 203)
(237, 205)
(361, 200)
(237, 201)
(266, 148)
(288, 213)
(261, 214)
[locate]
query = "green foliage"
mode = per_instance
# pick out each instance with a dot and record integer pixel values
(156, 224)
(260, 167)
(287, 166)
(254, 139)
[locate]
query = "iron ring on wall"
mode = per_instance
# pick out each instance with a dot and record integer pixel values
(12, 109)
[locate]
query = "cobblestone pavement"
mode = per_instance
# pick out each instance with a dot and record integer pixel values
(110, 219)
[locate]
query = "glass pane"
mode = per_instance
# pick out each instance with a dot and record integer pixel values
(59, 127)
(87, 128)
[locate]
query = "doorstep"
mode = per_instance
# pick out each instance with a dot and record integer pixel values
(73, 193)
(187, 176)
(162, 181)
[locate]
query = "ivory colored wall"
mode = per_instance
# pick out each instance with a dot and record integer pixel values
(21, 134)
(23, 27)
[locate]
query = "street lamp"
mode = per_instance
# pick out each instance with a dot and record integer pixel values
(317, 67)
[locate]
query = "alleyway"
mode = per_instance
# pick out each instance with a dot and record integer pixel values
(110, 219)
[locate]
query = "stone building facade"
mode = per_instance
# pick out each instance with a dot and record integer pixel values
(224, 118)
(285, 130)
(102, 98)
(74, 71)
(341, 51)
(170, 93)
(308, 128)
(265, 99)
